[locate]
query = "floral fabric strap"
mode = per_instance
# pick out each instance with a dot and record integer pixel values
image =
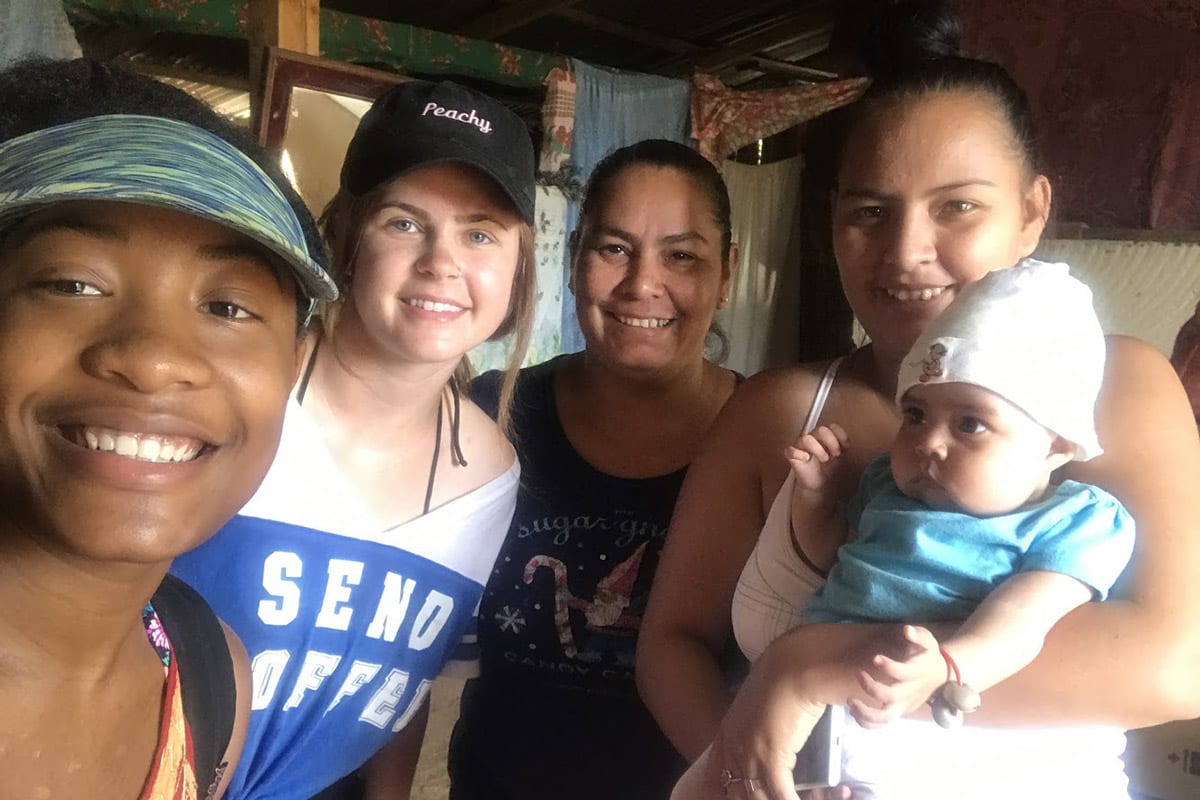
(172, 771)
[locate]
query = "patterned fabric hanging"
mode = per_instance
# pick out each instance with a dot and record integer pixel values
(725, 119)
(558, 120)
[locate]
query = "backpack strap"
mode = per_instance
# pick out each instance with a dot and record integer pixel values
(205, 667)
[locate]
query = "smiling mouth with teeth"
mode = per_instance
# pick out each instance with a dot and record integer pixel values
(643, 322)
(927, 293)
(431, 305)
(138, 446)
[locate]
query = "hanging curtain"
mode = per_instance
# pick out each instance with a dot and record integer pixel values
(614, 109)
(724, 119)
(35, 28)
(1112, 85)
(764, 201)
(549, 214)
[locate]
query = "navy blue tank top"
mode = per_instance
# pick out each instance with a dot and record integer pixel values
(555, 712)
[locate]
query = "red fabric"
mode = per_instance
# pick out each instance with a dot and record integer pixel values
(1185, 357)
(725, 119)
(1174, 199)
(1115, 91)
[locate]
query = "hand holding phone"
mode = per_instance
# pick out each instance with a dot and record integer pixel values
(819, 762)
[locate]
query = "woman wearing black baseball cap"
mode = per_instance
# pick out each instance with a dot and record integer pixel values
(354, 574)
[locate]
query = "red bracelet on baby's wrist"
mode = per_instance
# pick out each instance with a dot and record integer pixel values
(954, 699)
(952, 673)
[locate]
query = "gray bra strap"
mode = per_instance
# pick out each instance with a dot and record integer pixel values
(818, 403)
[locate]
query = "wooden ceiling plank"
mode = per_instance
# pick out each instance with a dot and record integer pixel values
(800, 49)
(109, 43)
(778, 67)
(794, 27)
(628, 32)
(494, 24)
(744, 32)
(181, 72)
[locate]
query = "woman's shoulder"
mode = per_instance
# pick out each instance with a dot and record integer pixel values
(1135, 372)
(485, 389)
(1129, 350)
(487, 451)
(779, 392)
(765, 413)
(1144, 421)
(789, 378)
(1130, 345)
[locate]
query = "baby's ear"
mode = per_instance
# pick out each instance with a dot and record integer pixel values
(1061, 452)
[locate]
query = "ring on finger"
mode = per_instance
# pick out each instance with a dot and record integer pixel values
(728, 779)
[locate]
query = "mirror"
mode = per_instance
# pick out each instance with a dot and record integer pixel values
(310, 109)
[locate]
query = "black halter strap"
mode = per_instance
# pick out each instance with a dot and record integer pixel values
(302, 389)
(455, 424)
(455, 446)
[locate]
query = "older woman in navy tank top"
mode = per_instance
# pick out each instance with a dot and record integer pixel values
(604, 438)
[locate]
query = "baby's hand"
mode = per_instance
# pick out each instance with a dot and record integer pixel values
(814, 456)
(901, 680)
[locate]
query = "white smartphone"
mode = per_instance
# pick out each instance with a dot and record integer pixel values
(819, 762)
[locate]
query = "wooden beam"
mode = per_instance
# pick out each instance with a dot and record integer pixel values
(289, 24)
(788, 29)
(183, 73)
(619, 29)
(680, 47)
(777, 67)
(510, 17)
(106, 44)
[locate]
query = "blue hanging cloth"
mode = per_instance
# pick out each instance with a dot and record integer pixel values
(614, 109)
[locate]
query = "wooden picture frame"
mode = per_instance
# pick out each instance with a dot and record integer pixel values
(286, 70)
(310, 109)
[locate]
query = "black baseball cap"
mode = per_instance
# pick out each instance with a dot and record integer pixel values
(418, 123)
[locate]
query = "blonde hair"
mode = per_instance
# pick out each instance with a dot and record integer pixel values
(342, 224)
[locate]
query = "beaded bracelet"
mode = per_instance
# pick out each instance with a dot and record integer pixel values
(954, 699)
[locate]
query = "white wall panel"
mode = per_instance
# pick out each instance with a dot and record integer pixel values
(1144, 289)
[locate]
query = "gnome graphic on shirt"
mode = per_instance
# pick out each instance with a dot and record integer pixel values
(605, 615)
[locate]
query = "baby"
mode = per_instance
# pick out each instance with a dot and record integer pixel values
(962, 519)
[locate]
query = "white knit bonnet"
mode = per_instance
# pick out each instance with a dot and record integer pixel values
(1029, 334)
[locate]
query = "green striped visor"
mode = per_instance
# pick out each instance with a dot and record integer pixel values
(157, 162)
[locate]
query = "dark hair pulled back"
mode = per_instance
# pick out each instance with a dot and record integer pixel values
(659, 153)
(914, 48)
(667, 154)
